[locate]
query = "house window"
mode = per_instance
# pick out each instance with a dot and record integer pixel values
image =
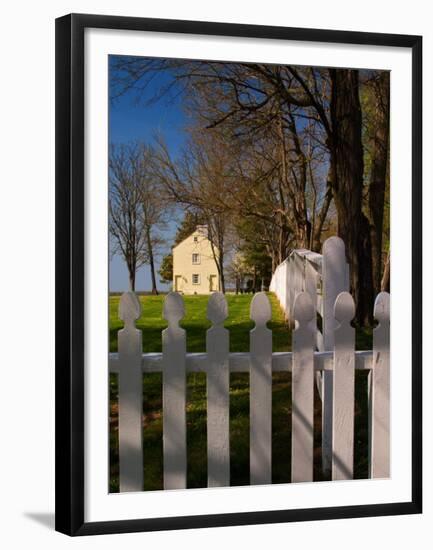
(196, 239)
(196, 279)
(196, 258)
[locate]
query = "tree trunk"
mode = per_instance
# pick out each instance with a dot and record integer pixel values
(221, 273)
(216, 239)
(347, 168)
(321, 217)
(379, 164)
(295, 185)
(131, 275)
(385, 283)
(151, 260)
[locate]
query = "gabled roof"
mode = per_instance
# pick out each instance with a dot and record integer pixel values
(199, 229)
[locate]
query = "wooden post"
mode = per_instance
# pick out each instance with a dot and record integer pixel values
(174, 394)
(129, 341)
(334, 281)
(380, 391)
(218, 397)
(260, 392)
(344, 389)
(302, 390)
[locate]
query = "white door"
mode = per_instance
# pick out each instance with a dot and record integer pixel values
(178, 283)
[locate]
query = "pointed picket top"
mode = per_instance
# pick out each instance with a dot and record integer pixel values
(260, 392)
(218, 393)
(381, 307)
(129, 342)
(333, 244)
(174, 308)
(334, 281)
(380, 391)
(302, 390)
(303, 309)
(260, 309)
(217, 311)
(129, 308)
(344, 309)
(174, 393)
(343, 388)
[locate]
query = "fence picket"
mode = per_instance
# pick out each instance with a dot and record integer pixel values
(380, 391)
(174, 394)
(260, 392)
(302, 390)
(334, 281)
(218, 396)
(130, 396)
(344, 389)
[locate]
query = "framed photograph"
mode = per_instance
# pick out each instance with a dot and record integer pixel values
(238, 274)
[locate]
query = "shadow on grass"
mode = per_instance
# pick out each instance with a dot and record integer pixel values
(196, 417)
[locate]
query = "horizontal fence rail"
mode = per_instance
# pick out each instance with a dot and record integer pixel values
(240, 362)
(304, 362)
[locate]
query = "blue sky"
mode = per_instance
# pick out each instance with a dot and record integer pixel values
(131, 121)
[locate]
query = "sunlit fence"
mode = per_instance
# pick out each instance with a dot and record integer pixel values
(305, 363)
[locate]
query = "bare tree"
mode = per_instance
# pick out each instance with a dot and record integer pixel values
(137, 209)
(154, 207)
(126, 226)
(198, 180)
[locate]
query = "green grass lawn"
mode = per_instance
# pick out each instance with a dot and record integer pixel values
(239, 325)
(196, 324)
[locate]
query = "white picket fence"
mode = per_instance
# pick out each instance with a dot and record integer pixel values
(303, 362)
(323, 276)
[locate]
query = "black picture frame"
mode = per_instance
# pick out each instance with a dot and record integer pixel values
(70, 283)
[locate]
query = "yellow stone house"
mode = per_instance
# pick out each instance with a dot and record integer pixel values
(194, 267)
